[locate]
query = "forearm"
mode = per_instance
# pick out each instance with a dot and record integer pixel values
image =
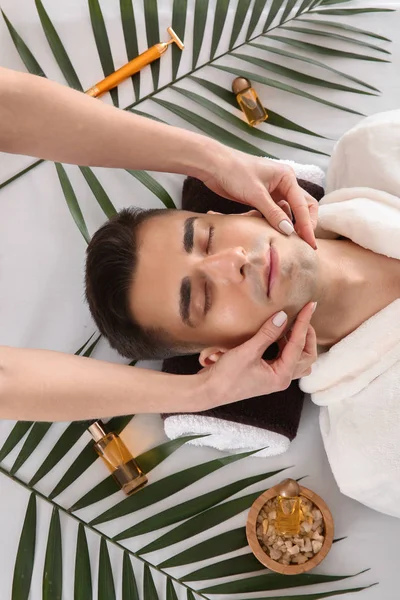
(44, 119)
(42, 385)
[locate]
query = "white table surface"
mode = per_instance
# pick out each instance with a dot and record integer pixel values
(41, 263)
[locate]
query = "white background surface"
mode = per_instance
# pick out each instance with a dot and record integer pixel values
(41, 266)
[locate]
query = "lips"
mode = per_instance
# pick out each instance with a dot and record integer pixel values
(271, 269)
(267, 271)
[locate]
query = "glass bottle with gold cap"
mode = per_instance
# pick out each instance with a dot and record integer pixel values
(118, 459)
(249, 101)
(288, 509)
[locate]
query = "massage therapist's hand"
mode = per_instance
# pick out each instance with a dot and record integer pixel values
(263, 183)
(242, 373)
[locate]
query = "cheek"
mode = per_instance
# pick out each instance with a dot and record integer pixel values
(237, 320)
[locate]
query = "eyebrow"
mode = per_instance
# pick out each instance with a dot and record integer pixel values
(188, 234)
(184, 304)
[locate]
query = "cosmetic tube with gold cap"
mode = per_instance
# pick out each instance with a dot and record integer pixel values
(118, 459)
(134, 66)
(249, 101)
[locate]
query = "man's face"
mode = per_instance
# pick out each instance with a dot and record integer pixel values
(212, 280)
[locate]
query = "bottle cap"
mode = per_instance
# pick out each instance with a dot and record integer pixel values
(289, 488)
(96, 430)
(240, 84)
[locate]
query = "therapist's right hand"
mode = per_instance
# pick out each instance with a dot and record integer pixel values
(242, 373)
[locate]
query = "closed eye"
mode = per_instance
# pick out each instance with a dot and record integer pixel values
(210, 238)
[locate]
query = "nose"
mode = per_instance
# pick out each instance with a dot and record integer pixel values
(227, 265)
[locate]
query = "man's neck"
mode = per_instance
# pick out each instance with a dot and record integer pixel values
(353, 284)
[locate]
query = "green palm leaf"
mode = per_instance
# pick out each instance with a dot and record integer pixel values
(347, 12)
(149, 589)
(273, 11)
(178, 25)
(238, 565)
(199, 24)
(79, 352)
(57, 48)
(102, 43)
(72, 201)
(190, 508)
(324, 49)
(298, 76)
(306, 4)
(155, 187)
(153, 34)
(129, 586)
(106, 580)
(318, 596)
(271, 582)
(255, 17)
(130, 37)
(312, 61)
(336, 36)
(222, 544)
(35, 436)
(229, 118)
(219, 22)
(15, 436)
(23, 568)
(159, 490)
(290, 4)
(240, 15)
(207, 519)
(52, 572)
(83, 575)
(170, 591)
(211, 129)
(99, 193)
(344, 27)
(147, 461)
(26, 55)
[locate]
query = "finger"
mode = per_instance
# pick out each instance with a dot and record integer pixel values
(286, 208)
(313, 209)
(273, 213)
(295, 346)
(267, 334)
(298, 204)
(310, 347)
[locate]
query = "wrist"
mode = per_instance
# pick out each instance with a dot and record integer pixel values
(201, 161)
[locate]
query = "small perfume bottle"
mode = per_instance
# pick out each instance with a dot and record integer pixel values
(118, 459)
(249, 101)
(288, 511)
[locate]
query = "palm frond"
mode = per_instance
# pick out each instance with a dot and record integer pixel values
(23, 568)
(52, 570)
(106, 585)
(130, 37)
(83, 573)
(102, 43)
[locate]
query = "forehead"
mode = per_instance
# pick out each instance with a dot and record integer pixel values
(161, 265)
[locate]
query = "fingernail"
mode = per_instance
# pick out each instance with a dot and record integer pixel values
(279, 318)
(315, 306)
(315, 247)
(286, 227)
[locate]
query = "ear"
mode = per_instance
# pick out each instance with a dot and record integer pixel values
(251, 213)
(210, 356)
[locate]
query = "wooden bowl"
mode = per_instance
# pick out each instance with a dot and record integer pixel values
(263, 556)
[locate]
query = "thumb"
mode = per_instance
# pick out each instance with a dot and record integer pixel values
(268, 333)
(273, 213)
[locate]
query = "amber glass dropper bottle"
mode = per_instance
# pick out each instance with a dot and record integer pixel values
(118, 459)
(249, 101)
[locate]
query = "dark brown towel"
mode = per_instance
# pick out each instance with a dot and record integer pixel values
(278, 413)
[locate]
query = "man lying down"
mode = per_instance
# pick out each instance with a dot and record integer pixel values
(162, 283)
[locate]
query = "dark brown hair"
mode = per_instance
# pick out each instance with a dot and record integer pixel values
(111, 262)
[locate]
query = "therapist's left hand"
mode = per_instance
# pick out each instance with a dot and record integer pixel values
(263, 183)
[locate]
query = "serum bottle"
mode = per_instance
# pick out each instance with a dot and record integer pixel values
(118, 459)
(288, 510)
(249, 101)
